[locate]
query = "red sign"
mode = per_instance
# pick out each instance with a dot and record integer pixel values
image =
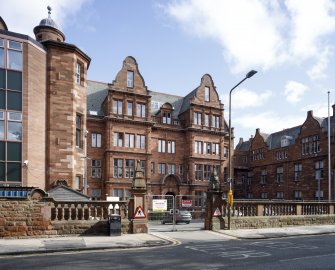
(186, 203)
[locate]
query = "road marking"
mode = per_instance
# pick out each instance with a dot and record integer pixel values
(308, 257)
(234, 253)
(282, 245)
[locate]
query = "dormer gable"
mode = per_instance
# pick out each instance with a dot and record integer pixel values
(129, 78)
(205, 91)
(311, 123)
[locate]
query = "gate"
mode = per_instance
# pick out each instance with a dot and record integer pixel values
(174, 213)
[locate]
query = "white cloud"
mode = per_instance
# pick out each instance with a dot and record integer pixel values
(260, 34)
(22, 16)
(319, 109)
(245, 98)
(318, 70)
(268, 122)
(294, 91)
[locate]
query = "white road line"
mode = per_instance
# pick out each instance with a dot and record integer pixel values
(308, 257)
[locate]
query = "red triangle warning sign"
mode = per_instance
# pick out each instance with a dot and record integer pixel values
(139, 213)
(217, 212)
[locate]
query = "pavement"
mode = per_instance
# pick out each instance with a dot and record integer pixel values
(80, 243)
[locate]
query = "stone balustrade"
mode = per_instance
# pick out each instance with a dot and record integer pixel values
(243, 208)
(87, 210)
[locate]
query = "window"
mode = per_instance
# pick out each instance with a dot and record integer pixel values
(96, 139)
(118, 168)
(129, 140)
(96, 168)
(207, 93)
(207, 148)
(118, 139)
(198, 147)
(297, 195)
(258, 154)
(319, 194)
(14, 55)
(310, 145)
(129, 108)
(161, 146)
(171, 168)
(216, 121)
(198, 198)
(14, 132)
(11, 63)
(129, 168)
(215, 149)
(319, 170)
(198, 172)
(280, 195)
(264, 195)
(141, 110)
(181, 169)
(281, 155)
(207, 120)
(78, 130)
(297, 171)
(166, 118)
(225, 153)
(77, 182)
(96, 193)
(197, 118)
(118, 192)
(117, 106)
(2, 125)
(263, 177)
(130, 79)
(280, 175)
(2, 53)
(140, 141)
(161, 168)
(78, 71)
(152, 167)
(207, 172)
(249, 178)
(171, 145)
(142, 164)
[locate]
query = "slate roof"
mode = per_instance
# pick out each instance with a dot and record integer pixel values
(244, 146)
(186, 101)
(274, 139)
(97, 92)
(175, 101)
(64, 193)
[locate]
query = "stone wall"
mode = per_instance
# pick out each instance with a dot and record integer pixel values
(279, 221)
(27, 218)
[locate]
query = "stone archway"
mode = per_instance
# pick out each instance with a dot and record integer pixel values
(170, 184)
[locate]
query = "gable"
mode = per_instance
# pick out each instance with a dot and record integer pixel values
(130, 66)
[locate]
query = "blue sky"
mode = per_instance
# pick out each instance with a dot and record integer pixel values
(290, 43)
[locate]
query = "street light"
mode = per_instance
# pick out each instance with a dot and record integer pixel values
(247, 76)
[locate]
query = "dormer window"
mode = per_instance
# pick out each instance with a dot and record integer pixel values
(130, 79)
(166, 118)
(207, 94)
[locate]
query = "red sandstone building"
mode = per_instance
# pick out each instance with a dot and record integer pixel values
(291, 164)
(55, 126)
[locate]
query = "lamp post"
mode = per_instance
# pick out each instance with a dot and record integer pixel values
(230, 179)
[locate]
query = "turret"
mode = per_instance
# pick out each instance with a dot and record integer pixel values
(48, 30)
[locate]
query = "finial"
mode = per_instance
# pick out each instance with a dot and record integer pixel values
(49, 10)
